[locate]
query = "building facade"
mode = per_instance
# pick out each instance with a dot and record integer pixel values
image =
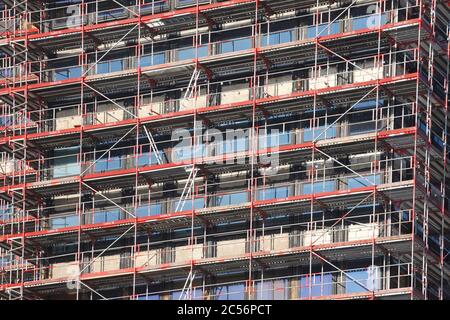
(237, 149)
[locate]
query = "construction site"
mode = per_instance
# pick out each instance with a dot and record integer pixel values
(224, 149)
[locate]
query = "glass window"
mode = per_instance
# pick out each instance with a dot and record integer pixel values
(233, 146)
(273, 193)
(189, 53)
(196, 204)
(65, 162)
(309, 135)
(231, 199)
(176, 295)
(107, 215)
(359, 23)
(147, 61)
(236, 45)
(102, 67)
(116, 65)
(357, 282)
(107, 164)
(231, 292)
(325, 186)
(264, 290)
(150, 297)
(148, 158)
(186, 53)
(63, 222)
(242, 44)
(364, 181)
(315, 286)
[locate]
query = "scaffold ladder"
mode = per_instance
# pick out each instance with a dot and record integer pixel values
(153, 145)
(187, 189)
(187, 289)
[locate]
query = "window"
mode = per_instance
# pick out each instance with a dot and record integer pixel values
(236, 45)
(67, 73)
(149, 158)
(116, 65)
(277, 38)
(150, 297)
(315, 286)
(4, 261)
(65, 162)
(356, 281)
(324, 29)
(110, 66)
(319, 133)
(364, 181)
(198, 203)
(102, 67)
(107, 215)
(322, 186)
(230, 292)
(272, 140)
(153, 60)
(231, 199)
(5, 213)
(107, 164)
(189, 53)
(272, 290)
(273, 193)
(239, 144)
(152, 209)
(63, 222)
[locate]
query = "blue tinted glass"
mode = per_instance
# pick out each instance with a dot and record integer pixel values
(285, 36)
(360, 23)
(264, 291)
(238, 198)
(227, 47)
(242, 44)
(319, 133)
(106, 216)
(188, 53)
(62, 74)
(75, 72)
(364, 181)
(159, 58)
(236, 292)
(203, 51)
(63, 222)
(65, 162)
(144, 159)
(317, 187)
(315, 286)
(116, 65)
(146, 61)
(176, 295)
(155, 209)
(150, 297)
(142, 211)
(112, 163)
(102, 67)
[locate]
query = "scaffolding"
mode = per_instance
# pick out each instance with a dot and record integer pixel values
(313, 158)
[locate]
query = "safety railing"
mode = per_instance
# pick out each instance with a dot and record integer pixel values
(75, 15)
(331, 75)
(230, 192)
(61, 16)
(103, 62)
(274, 240)
(364, 118)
